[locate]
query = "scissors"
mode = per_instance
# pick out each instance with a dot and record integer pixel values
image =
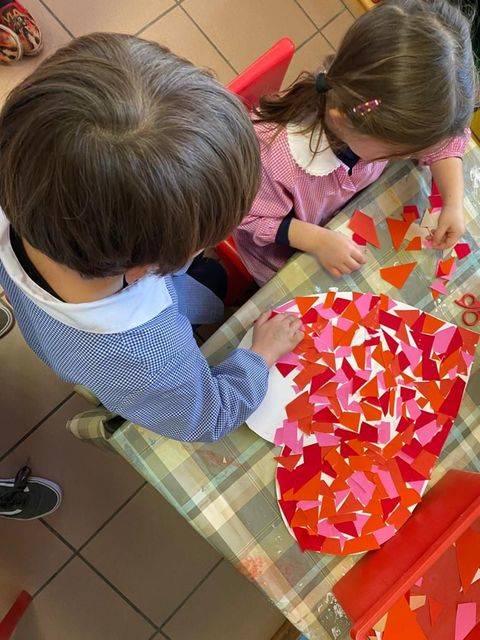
(471, 304)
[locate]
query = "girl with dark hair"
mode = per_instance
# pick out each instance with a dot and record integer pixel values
(401, 85)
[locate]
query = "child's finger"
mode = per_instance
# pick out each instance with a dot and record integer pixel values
(335, 272)
(262, 318)
(359, 256)
(439, 234)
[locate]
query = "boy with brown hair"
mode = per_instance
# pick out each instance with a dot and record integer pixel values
(119, 162)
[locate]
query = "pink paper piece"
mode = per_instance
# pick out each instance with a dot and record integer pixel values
(419, 582)
(388, 483)
(384, 534)
(426, 433)
(439, 285)
(465, 620)
(327, 439)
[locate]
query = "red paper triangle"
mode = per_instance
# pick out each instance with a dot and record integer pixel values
(398, 274)
(398, 230)
(402, 623)
(304, 303)
(415, 244)
(462, 249)
(363, 225)
(468, 549)
(285, 368)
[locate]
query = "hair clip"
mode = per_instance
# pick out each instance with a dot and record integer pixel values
(321, 83)
(366, 107)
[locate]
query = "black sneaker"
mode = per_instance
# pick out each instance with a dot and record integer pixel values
(27, 498)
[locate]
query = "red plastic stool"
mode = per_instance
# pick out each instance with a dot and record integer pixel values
(16, 611)
(263, 76)
(380, 578)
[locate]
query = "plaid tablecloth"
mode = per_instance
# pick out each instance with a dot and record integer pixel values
(226, 490)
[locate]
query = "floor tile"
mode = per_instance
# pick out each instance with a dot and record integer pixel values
(94, 482)
(226, 605)
(243, 30)
(309, 57)
(162, 558)
(123, 16)
(355, 8)
(335, 30)
(79, 605)
(29, 389)
(322, 11)
(178, 32)
(54, 36)
(29, 555)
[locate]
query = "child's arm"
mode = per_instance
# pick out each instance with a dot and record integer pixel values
(334, 251)
(447, 171)
(448, 174)
(189, 401)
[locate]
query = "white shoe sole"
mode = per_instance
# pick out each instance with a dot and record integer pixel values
(46, 483)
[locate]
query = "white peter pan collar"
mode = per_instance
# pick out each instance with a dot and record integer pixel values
(133, 306)
(321, 163)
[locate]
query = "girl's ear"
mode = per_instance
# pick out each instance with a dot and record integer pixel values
(135, 273)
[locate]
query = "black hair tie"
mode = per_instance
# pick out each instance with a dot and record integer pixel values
(321, 84)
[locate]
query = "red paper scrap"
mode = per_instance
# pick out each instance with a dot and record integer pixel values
(364, 226)
(415, 244)
(398, 230)
(397, 275)
(410, 213)
(436, 201)
(462, 250)
(359, 240)
(468, 557)
(402, 623)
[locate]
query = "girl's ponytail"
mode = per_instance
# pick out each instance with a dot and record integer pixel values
(304, 102)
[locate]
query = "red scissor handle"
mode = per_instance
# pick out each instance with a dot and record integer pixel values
(468, 301)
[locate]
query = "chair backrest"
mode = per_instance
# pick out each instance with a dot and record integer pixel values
(265, 75)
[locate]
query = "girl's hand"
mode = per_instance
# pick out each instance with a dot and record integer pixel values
(338, 253)
(451, 227)
(274, 337)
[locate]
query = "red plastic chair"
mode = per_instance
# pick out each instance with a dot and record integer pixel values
(263, 76)
(12, 618)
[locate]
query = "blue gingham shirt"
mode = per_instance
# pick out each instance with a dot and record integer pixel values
(153, 374)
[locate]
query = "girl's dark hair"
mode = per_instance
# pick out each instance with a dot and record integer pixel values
(117, 153)
(415, 56)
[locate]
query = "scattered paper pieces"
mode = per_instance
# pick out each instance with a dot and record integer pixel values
(466, 619)
(397, 275)
(364, 226)
(377, 385)
(398, 230)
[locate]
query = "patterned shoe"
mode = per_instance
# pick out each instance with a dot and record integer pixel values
(17, 18)
(10, 46)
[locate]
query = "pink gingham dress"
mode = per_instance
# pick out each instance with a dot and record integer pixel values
(314, 187)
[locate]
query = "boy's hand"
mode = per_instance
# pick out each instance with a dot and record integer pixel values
(274, 337)
(451, 227)
(338, 253)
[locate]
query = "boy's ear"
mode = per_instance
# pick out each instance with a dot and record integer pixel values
(135, 273)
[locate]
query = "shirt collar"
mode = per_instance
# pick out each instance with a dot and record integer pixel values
(129, 308)
(322, 163)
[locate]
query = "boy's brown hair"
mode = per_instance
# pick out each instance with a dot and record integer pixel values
(415, 56)
(116, 153)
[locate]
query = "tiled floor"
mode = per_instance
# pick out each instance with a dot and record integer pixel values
(116, 562)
